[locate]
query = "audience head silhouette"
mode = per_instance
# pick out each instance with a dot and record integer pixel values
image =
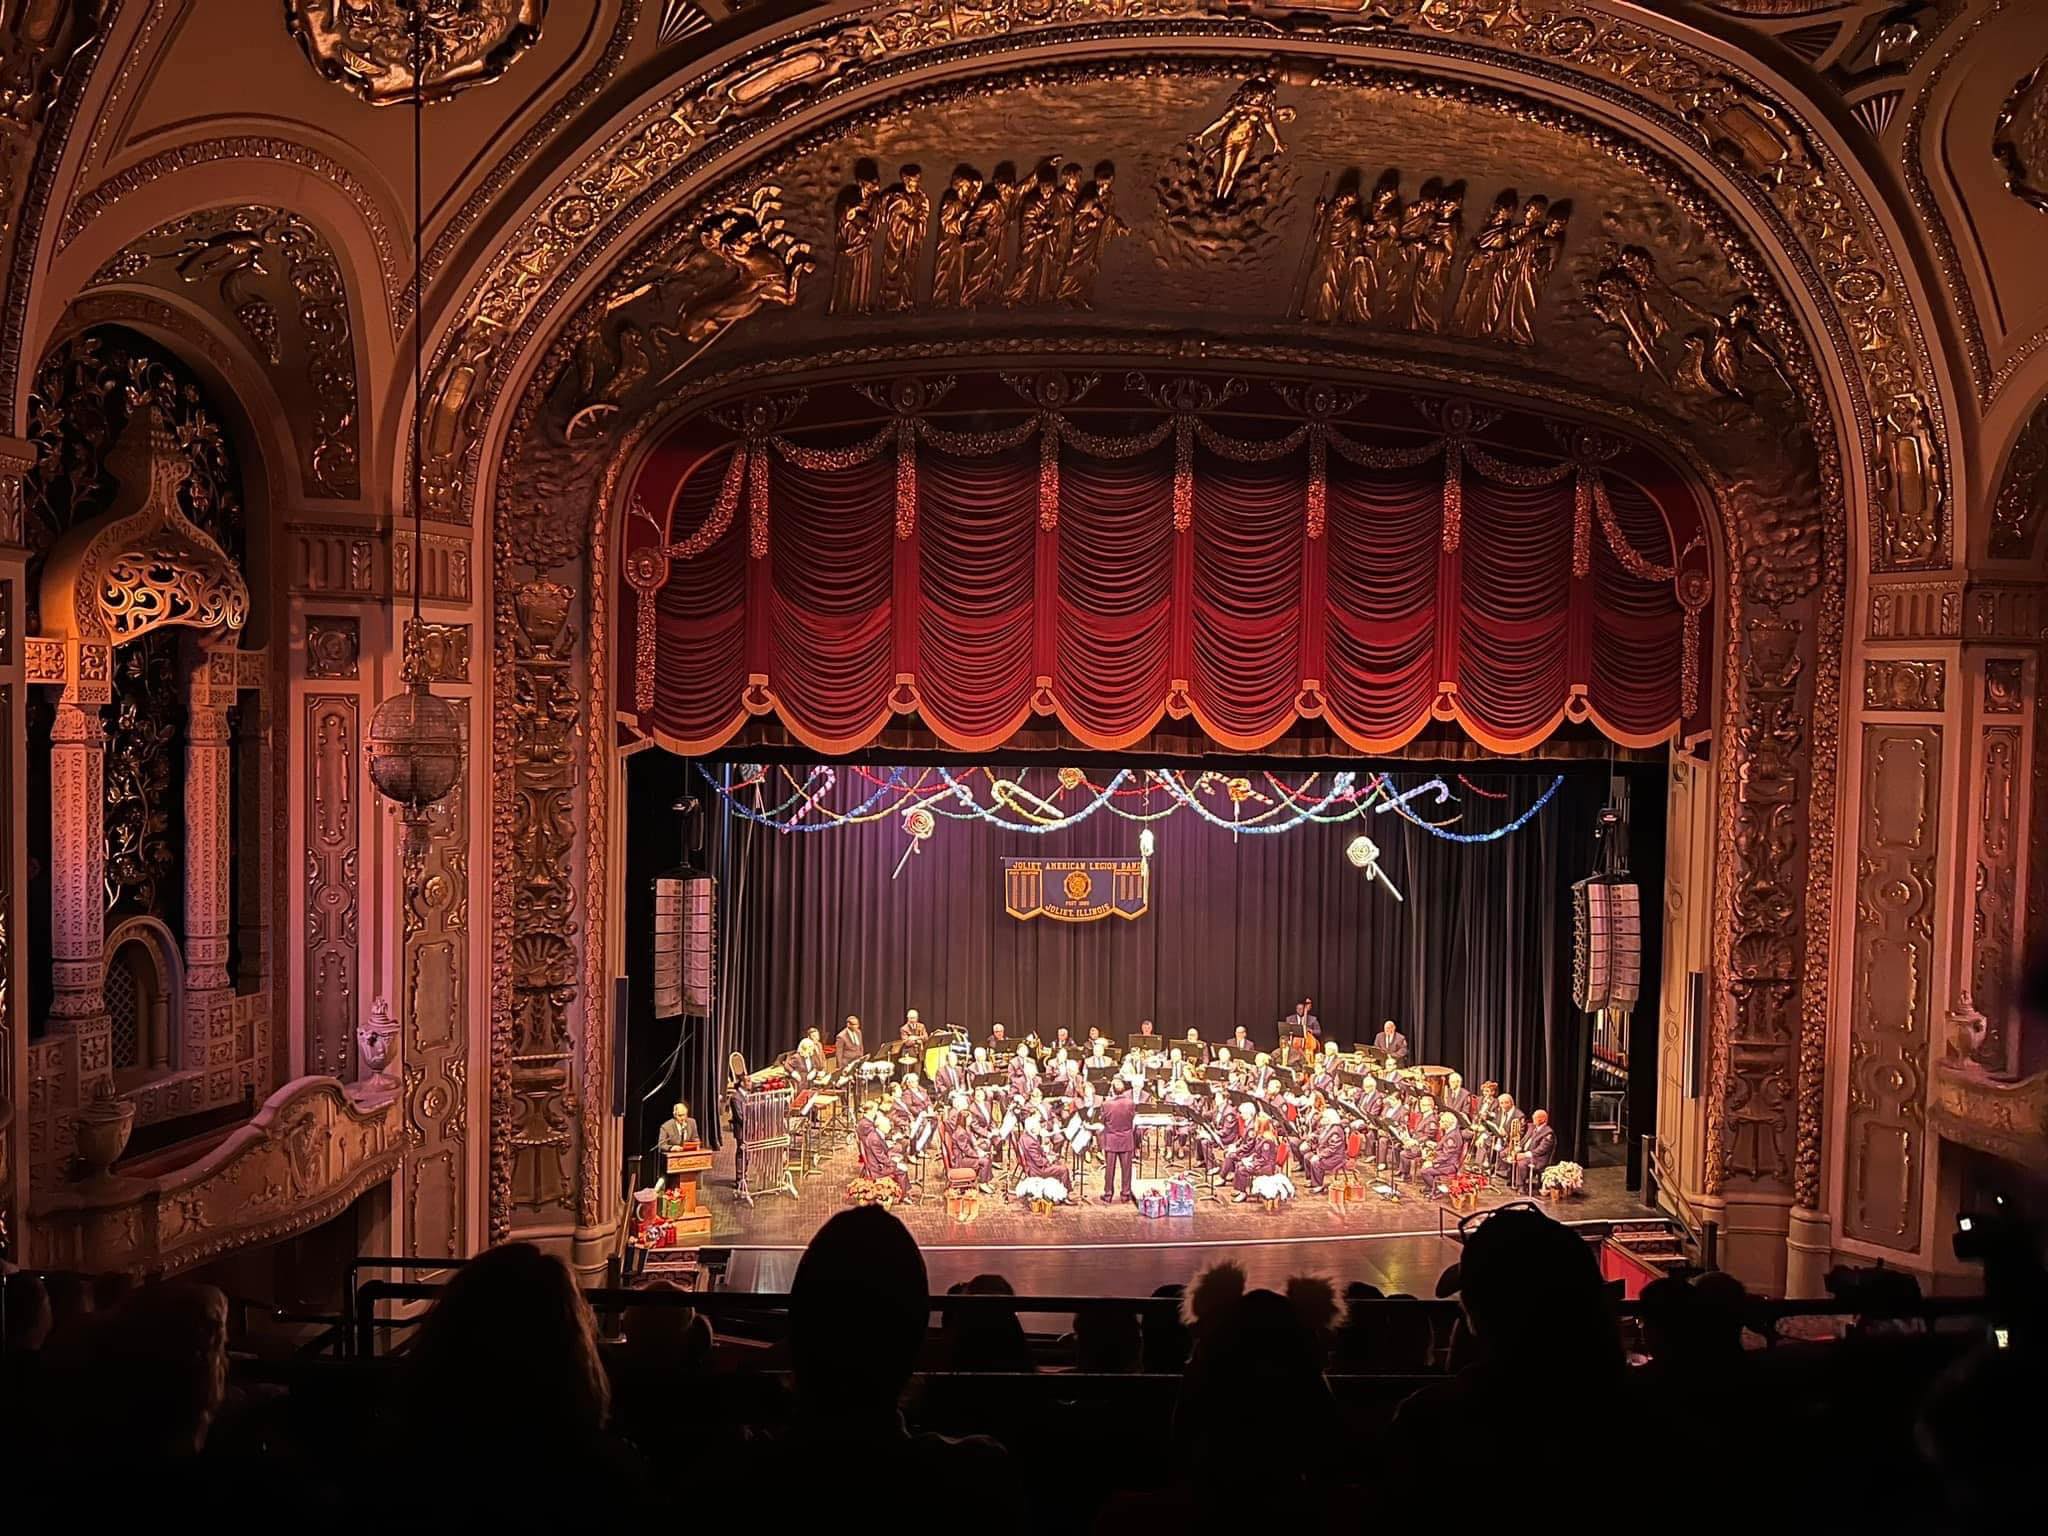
(1534, 1295)
(858, 1309)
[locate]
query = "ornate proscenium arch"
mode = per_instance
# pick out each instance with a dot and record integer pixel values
(980, 549)
(1710, 271)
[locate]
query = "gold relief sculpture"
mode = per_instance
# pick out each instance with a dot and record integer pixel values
(681, 297)
(949, 257)
(1914, 687)
(1096, 223)
(1908, 480)
(436, 653)
(143, 730)
(853, 237)
(536, 1098)
(368, 45)
(1221, 200)
(1722, 354)
(2022, 491)
(1375, 260)
(2020, 139)
(1045, 229)
(903, 216)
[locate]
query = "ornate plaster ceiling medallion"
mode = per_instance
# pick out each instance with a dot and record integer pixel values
(2020, 139)
(367, 45)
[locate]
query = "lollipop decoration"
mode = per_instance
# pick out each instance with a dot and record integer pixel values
(1364, 854)
(918, 824)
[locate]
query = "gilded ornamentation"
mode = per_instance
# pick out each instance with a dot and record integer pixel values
(141, 860)
(1908, 480)
(1994, 923)
(333, 761)
(436, 653)
(368, 45)
(680, 19)
(534, 1101)
(1721, 354)
(2020, 139)
(435, 989)
(37, 43)
(2023, 492)
(1910, 687)
(1884, 1137)
(129, 572)
(257, 260)
(2005, 685)
(333, 647)
(312, 1149)
(80, 406)
(683, 296)
(2007, 1120)
(1223, 195)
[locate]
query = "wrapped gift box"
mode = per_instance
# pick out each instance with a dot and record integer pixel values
(1180, 1195)
(1152, 1202)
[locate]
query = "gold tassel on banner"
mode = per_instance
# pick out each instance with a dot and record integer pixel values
(1318, 478)
(1049, 473)
(757, 501)
(1582, 524)
(1183, 473)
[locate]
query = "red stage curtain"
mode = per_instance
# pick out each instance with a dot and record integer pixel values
(872, 570)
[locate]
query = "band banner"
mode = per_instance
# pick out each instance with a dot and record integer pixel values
(1075, 890)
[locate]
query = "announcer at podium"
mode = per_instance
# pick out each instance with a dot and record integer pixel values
(1302, 1022)
(678, 1130)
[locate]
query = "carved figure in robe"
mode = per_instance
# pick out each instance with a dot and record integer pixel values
(1410, 238)
(1095, 225)
(1329, 265)
(1477, 310)
(1433, 263)
(1719, 353)
(1539, 238)
(986, 241)
(949, 262)
(853, 263)
(1906, 477)
(904, 215)
(1047, 231)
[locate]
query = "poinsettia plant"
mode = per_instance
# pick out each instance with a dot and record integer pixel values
(1564, 1178)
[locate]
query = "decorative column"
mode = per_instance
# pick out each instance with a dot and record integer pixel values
(16, 459)
(209, 836)
(78, 758)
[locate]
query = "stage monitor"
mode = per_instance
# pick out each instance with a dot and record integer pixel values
(684, 947)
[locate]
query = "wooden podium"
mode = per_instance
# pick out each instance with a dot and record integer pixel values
(686, 1165)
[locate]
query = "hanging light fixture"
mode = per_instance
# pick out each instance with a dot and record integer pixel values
(415, 739)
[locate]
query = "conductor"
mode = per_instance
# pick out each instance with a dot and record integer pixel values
(1119, 1141)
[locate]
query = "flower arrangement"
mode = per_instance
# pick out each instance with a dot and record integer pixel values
(1561, 1179)
(866, 1191)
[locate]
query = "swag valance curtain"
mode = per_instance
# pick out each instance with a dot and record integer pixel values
(978, 552)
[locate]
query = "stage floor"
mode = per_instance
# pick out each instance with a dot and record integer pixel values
(1089, 1249)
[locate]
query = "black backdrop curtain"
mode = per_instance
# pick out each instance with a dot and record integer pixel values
(1475, 964)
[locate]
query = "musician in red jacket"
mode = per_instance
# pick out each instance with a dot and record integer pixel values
(1119, 1142)
(963, 1148)
(1330, 1152)
(877, 1161)
(1262, 1159)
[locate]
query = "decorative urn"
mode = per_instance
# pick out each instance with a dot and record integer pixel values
(377, 1043)
(102, 1129)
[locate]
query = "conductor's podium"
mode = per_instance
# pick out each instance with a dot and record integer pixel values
(686, 1165)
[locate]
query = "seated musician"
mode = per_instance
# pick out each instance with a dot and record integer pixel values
(1044, 1178)
(878, 1159)
(1061, 1040)
(1422, 1132)
(1539, 1146)
(846, 1045)
(1330, 1152)
(1098, 1051)
(1303, 1022)
(913, 1027)
(678, 1130)
(1192, 1048)
(817, 1038)
(1489, 1101)
(1508, 1125)
(982, 1064)
(1223, 1121)
(1061, 1073)
(950, 1078)
(981, 1114)
(1391, 1043)
(1239, 1152)
(911, 1097)
(1241, 1042)
(1457, 1097)
(1023, 1073)
(1262, 1072)
(963, 1148)
(1447, 1158)
(1145, 1028)
(1326, 1080)
(1258, 1173)
(1391, 1126)
(1176, 1067)
(997, 1040)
